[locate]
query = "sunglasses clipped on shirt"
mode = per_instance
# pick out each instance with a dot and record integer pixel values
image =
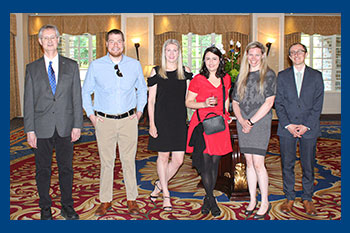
(118, 71)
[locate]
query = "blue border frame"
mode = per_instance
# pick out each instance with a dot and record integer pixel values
(180, 6)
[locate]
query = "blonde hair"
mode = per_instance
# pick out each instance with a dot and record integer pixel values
(245, 69)
(180, 70)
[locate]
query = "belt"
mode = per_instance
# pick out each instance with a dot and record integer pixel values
(120, 116)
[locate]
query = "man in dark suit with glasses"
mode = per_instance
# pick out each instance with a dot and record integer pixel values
(120, 95)
(298, 103)
(53, 118)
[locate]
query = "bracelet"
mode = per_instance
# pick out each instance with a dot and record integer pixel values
(250, 122)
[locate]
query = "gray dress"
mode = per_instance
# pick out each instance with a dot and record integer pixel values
(257, 140)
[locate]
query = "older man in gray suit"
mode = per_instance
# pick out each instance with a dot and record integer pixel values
(299, 102)
(53, 118)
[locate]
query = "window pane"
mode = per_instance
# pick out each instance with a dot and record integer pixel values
(327, 42)
(317, 42)
(317, 64)
(317, 52)
(203, 50)
(193, 52)
(84, 53)
(184, 40)
(94, 53)
(84, 41)
(195, 40)
(307, 61)
(305, 40)
(327, 52)
(327, 85)
(327, 75)
(185, 61)
(71, 52)
(184, 52)
(73, 41)
(206, 40)
(327, 63)
(94, 41)
(218, 39)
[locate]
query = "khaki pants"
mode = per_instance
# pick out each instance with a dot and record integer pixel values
(109, 133)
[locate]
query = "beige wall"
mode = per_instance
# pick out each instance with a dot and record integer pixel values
(139, 26)
(268, 31)
(22, 50)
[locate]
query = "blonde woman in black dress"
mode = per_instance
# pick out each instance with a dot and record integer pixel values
(167, 117)
(253, 98)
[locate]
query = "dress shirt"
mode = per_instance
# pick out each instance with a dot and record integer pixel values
(302, 74)
(54, 65)
(113, 94)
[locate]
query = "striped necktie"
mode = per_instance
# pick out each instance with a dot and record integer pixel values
(52, 78)
(298, 82)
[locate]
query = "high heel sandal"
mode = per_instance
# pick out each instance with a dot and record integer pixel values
(250, 212)
(169, 207)
(258, 216)
(154, 198)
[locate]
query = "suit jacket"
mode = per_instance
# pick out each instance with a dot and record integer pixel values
(306, 109)
(43, 111)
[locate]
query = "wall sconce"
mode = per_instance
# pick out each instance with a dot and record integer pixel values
(269, 44)
(136, 42)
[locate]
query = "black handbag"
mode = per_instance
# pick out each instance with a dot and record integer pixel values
(215, 124)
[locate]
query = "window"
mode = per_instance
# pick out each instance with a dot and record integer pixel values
(325, 56)
(193, 47)
(81, 48)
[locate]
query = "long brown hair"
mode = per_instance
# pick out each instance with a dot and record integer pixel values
(245, 67)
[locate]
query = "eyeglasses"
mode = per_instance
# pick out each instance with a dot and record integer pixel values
(46, 38)
(118, 71)
(298, 52)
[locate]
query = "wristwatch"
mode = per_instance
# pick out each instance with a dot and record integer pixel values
(250, 122)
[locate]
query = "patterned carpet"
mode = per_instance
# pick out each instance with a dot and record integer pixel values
(186, 197)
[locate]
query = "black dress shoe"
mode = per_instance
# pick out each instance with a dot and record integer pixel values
(258, 216)
(206, 206)
(69, 213)
(250, 212)
(45, 214)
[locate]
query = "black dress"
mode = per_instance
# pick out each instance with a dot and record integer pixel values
(170, 112)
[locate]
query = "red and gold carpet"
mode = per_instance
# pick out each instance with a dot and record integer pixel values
(186, 197)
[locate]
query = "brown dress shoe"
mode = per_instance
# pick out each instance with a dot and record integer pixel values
(309, 208)
(287, 206)
(102, 209)
(133, 207)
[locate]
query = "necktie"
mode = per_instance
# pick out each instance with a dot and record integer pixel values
(299, 80)
(52, 78)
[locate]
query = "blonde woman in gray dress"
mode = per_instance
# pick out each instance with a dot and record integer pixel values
(252, 100)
